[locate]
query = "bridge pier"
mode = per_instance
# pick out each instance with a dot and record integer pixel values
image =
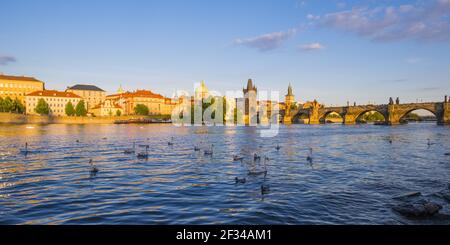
(445, 117)
(314, 121)
(393, 117)
(287, 120)
(349, 119)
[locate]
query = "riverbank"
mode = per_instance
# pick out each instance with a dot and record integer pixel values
(10, 118)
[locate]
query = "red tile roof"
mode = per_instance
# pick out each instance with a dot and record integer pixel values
(139, 93)
(19, 78)
(54, 93)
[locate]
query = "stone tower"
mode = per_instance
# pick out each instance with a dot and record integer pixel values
(289, 101)
(250, 115)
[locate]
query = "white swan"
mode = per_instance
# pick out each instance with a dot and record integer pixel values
(261, 172)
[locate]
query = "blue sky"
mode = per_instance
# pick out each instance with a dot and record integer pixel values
(335, 51)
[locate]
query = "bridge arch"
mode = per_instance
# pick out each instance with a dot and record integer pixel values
(405, 113)
(323, 117)
(359, 116)
(301, 117)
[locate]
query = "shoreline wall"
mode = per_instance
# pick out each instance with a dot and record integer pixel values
(10, 118)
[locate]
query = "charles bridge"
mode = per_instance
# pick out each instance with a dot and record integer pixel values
(392, 112)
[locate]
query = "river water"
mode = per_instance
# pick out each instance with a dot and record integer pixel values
(354, 174)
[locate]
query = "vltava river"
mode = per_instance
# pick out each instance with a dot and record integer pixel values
(353, 177)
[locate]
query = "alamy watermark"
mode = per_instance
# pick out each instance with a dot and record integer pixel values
(211, 108)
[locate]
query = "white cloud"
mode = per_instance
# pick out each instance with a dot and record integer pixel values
(311, 47)
(312, 17)
(266, 42)
(423, 21)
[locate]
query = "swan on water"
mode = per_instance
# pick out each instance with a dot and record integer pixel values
(278, 147)
(170, 143)
(131, 150)
(94, 170)
(261, 172)
(24, 150)
(237, 158)
(256, 157)
(240, 181)
(143, 155)
(210, 151)
(309, 158)
(265, 189)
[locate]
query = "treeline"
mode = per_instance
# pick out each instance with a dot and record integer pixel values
(13, 106)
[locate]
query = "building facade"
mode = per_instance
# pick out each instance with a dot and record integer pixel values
(56, 101)
(18, 86)
(107, 108)
(156, 103)
(91, 94)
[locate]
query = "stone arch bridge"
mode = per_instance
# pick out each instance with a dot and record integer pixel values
(393, 113)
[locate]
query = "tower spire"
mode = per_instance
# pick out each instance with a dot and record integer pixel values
(290, 93)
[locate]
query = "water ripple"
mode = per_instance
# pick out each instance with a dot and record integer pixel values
(354, 175)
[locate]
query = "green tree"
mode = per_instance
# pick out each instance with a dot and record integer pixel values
(80, 109)
(371, 117)
(17, 106)
(42, 108)
(412, 117)
(7, 105)
(118, 113)
(142, 110)
(70, 110)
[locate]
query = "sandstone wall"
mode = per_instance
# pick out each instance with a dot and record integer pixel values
(35, 119)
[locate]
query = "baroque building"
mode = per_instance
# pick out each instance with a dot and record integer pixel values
(107, 108)
(19, 86)
(156, 103)
(56, 101)
(91, 94)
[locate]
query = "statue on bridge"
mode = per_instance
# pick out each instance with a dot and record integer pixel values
(391, 101)
(397, 101)
(446, 99)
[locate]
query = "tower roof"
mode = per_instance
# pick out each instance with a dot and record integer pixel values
(250, 86)
(290, 93)
(86, 87)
